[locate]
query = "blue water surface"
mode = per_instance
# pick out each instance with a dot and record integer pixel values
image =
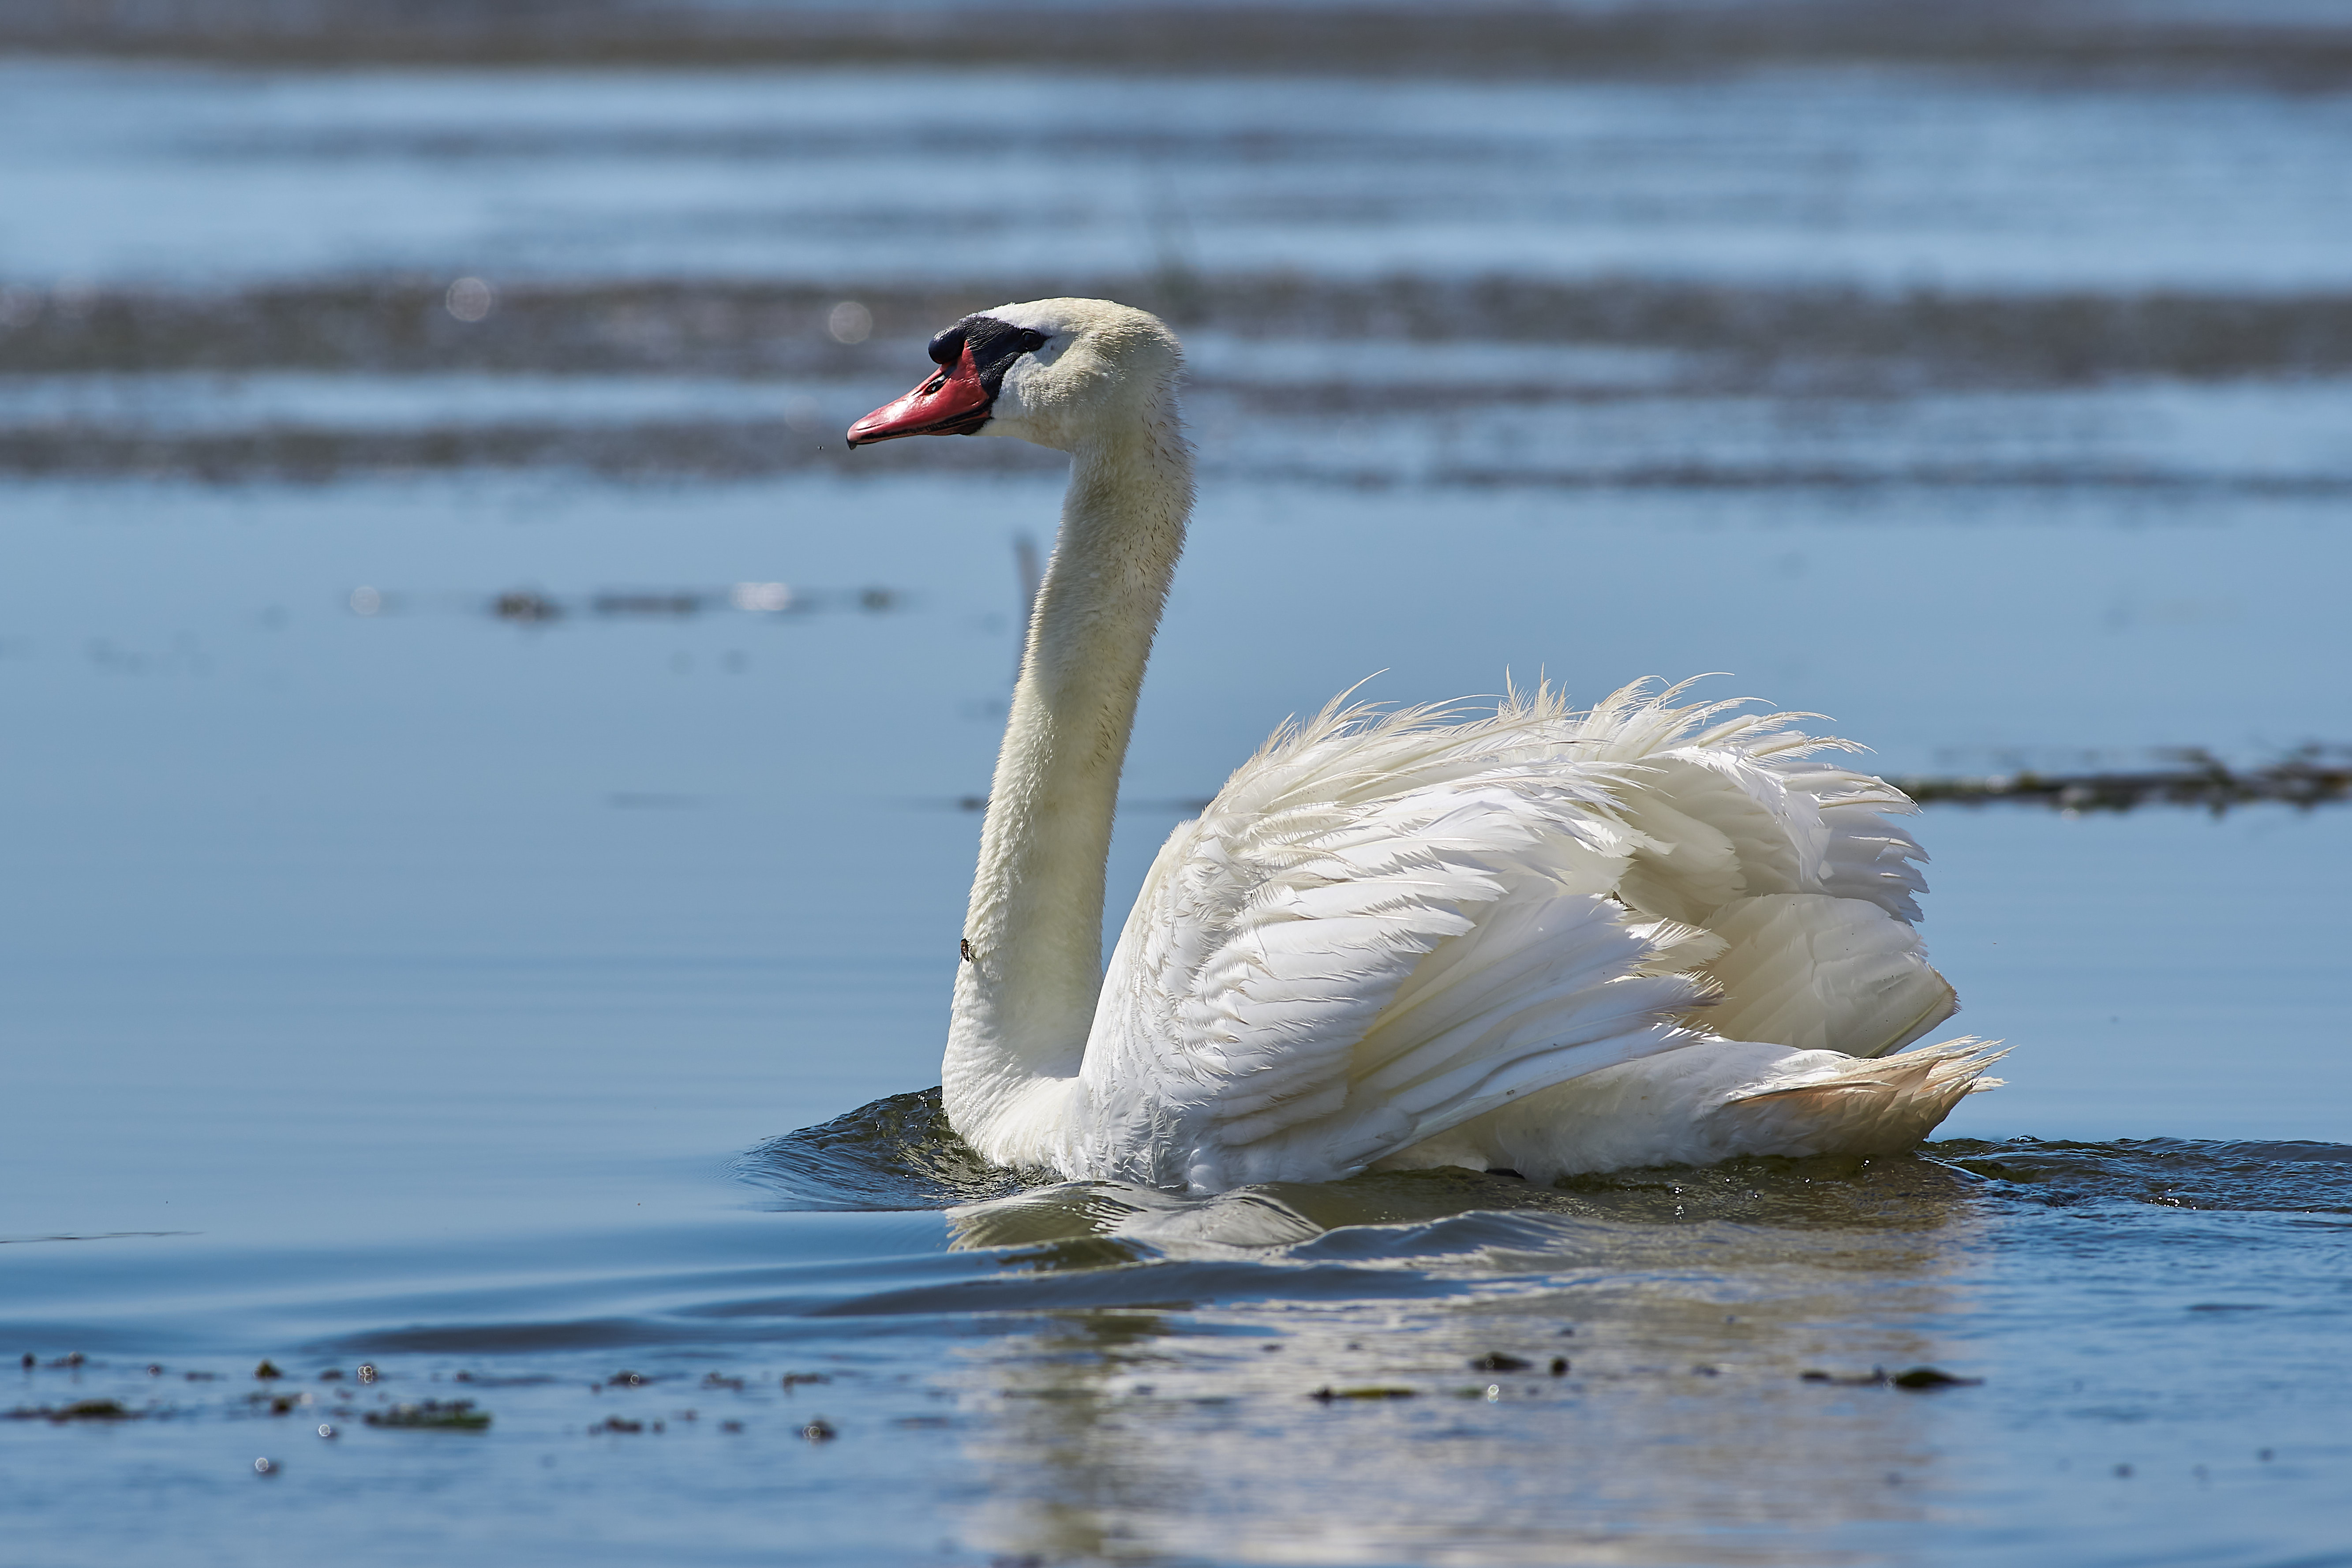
(390, 983)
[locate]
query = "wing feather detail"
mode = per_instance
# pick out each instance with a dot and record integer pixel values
(1386, 925)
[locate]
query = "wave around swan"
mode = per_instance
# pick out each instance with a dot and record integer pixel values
(900, 1153)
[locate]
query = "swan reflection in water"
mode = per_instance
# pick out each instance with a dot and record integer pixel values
(1223, 1379)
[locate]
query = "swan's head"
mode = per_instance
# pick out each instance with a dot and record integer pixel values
(1055, 371)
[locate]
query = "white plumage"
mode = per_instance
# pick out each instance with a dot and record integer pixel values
(1408, 941)
(1540, 940)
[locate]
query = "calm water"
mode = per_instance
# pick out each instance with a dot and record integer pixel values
(389, 981)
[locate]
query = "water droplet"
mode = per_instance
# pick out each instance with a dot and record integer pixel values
(849, 323)
(470, 299)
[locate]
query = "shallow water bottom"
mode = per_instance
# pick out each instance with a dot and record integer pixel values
(1669, 1366)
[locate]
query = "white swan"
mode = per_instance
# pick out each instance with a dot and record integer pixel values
(1542, 941)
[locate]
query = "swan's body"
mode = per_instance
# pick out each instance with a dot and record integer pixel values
(1540, 941)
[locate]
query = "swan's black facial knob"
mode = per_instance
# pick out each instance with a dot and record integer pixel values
(972, 356)
(992, 344)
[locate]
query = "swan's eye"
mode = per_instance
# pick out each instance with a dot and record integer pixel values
(1031, 340)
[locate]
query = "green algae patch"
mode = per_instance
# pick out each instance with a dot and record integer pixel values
(433, 1416)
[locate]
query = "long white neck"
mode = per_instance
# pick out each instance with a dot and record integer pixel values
(1024, 998)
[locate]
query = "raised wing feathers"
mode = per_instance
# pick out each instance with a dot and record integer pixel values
(1813, 972)
(1386, 925)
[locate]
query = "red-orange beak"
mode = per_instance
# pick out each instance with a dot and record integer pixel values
(950, 402)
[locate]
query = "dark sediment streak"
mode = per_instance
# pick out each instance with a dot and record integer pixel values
(658, 450)
(1425, 39)
(722, 450)
(1752, 336)
(2306, 779)
(1704, 340)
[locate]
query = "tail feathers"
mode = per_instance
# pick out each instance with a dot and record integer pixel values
(1870, 1107)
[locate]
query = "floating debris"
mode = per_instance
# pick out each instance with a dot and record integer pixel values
(820, 1430)
(1495, 1360)
(1375, 1391)
(432, 1414)
(80, 1410)
(1930, 1377)
(627, 1380)
(520, 604)
(792, 1379)
(267, 1370)
(1560, 1366)
(647, 603)
(616, 1423)
(2306, 778)
(718, 1380)
(1915, 1379)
